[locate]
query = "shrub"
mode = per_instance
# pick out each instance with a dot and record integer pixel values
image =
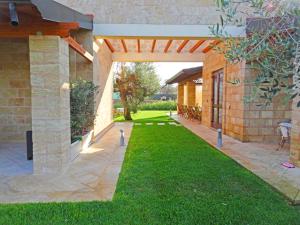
(158, 105)
(82, 107)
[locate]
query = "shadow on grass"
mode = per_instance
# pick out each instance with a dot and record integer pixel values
(147, 117)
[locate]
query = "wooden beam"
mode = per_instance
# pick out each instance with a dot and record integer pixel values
(42, 28)
(210, 46)
(157, 57)
(168, 46)
(124, 45)
(79, 49)
(196, 46)
(109, 45)
(153, 45)
(182, 45)
(138, 46)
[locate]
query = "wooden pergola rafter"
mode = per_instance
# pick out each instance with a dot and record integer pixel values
(211, 46)
(182, 45)
(196, 46)
(109, 45)
(168, 46)
(124, 45)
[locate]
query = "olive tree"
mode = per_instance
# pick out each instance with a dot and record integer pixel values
(271, 46)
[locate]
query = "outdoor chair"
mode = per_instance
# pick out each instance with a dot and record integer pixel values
(191, 112)
(198, 113)
(185, 112)
(285, 129)
(180, 110)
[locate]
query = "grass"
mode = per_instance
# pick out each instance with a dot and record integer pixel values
(170, 176)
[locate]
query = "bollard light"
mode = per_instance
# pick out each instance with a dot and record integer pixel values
(122, 138)
(219, 142)
(170, 113)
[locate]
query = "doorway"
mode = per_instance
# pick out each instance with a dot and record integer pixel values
(217, 99)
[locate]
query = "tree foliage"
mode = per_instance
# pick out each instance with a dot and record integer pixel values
(135, 82)
(82, 107)
(271, 46)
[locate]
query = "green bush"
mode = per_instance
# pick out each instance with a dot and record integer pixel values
(82, 107)
(118, 105)
(159, 105)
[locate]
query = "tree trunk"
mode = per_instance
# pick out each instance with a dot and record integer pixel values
(127, 114)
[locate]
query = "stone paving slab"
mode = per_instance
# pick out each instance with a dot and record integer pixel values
(262, 159)
(92, 176)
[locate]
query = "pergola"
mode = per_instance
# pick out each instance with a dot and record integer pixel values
(151, 49)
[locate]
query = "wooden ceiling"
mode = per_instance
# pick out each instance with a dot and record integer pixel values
(159, 45)
(31, 23)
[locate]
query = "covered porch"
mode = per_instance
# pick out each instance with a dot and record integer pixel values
(37, 56)
(189, 92)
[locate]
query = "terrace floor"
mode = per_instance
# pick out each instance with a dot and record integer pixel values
(261, 159)
(13, 160)
(92, 176)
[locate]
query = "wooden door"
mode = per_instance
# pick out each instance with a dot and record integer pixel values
(217, 99)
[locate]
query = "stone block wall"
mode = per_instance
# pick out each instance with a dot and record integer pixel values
(191, 93)
(261, 122)
(180, 94)
(198, 97)
(81, 68)
(15, 90)
(241, 119)
(148, 11)
(295, 135)
(49, 71)
(233, 107)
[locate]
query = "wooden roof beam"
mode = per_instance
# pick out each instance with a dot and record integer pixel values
(153, 46)
(138, 46)
(109, 45)
(196, 46)
(211, 46)
(79, 49)
(44, 27)
(168, 46)
(182, 45)
(124, 45)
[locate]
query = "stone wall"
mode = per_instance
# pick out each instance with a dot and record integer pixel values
(233, 107)
(147, 11)
(49, 71)
(103, 77)
(295, 135)
(15, 90)
(242, 120)
(261, 122)
(198, 95)
(81, 68)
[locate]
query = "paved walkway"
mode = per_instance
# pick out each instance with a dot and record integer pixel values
(261, 159)
(92, 176)
(13, 160)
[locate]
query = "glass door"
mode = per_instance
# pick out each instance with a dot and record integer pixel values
(217, 99)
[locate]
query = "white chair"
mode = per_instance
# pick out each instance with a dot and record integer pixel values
(285, 129)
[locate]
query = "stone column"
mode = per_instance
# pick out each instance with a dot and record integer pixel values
(49, 72)
(191, 91)
(295, 134)
(180, 94)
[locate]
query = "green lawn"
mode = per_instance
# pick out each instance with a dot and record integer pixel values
(170, 176)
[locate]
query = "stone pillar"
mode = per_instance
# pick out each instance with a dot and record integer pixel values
(180, 94)
(295, 134)
(191, 92)
(49, 72)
